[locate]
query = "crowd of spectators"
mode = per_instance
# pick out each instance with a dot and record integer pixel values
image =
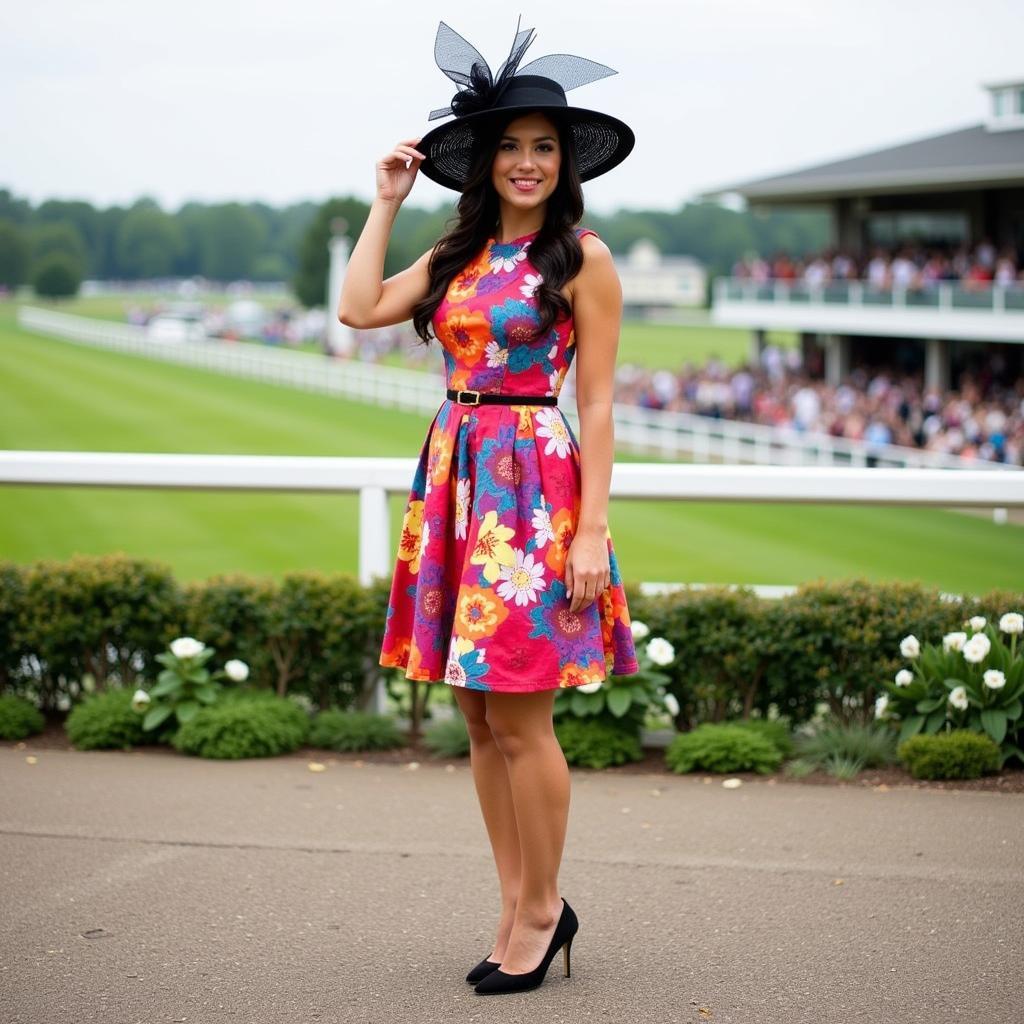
(912, 267)
(981, 419)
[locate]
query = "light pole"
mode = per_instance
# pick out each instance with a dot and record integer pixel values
(341, 339)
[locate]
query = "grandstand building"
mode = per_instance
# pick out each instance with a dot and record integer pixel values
(654, 285)
(957, 191)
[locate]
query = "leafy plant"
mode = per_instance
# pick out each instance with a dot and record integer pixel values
(354, 730)
(722, 747)
(185, 685)
(597, 742)
(775, 730)
(959, 754)
(448, 738)
(837, 747)
(629, 698)
(19, 718)
(105, 721)
(247, 726)
(971, 681)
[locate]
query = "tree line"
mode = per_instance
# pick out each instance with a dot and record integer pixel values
(59, 243)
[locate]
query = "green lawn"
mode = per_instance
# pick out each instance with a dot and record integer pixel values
(56, 395)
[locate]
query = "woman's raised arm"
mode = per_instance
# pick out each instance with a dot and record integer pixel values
(366, 299)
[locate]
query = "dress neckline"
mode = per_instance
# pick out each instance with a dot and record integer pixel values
(514, 241)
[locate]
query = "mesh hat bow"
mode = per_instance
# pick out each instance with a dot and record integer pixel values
(600, 140)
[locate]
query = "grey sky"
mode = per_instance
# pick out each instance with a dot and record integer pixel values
(212, 100)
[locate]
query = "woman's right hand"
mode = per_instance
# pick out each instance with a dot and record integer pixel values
(394, 178)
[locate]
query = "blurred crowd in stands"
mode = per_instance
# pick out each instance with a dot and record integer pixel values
(912, 267)
(981, 419)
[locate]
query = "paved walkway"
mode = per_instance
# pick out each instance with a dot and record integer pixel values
(151, 887)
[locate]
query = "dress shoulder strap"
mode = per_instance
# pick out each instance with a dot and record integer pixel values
(581, 232)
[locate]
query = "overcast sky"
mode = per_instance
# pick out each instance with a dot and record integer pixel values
(213, 100)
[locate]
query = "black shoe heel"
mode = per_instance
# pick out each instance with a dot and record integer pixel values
(499, 981)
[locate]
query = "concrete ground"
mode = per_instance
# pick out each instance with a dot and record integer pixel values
(149, 886)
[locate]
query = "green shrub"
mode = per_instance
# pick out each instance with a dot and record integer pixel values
(448, 738)
(354, 730)
(722, 748)
(252, 726)
(775, 730)
(835, 746)
(19, 718)
(104, 615)
(597, 742)
(106, 721)
(958, 754)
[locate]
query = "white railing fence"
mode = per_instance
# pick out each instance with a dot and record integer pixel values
(944, 296)
(673, 435)
(375, 478)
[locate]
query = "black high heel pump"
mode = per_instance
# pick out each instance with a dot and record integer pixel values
(481, 970)
(500, 981)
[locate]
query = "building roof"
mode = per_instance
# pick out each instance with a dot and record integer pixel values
(967, 158)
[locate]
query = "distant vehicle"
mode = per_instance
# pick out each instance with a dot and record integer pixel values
(175, 329)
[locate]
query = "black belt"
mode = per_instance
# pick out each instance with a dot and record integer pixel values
(488, 398)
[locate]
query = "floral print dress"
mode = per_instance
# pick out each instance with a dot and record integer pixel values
(478, 597)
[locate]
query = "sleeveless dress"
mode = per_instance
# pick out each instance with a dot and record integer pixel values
(478, 597)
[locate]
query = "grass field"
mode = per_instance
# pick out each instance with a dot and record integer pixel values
(55, 395)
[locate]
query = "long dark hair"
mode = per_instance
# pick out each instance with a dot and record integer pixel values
(555, 251)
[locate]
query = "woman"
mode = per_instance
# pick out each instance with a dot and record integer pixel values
(506, 584)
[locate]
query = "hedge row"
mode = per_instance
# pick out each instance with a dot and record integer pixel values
(319, 635)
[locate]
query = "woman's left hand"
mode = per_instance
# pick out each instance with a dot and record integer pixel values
(587, 572)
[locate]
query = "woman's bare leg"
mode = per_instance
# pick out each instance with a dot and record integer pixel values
(523, 730)
(490, 775)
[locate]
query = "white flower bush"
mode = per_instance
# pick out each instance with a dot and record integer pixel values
(660, 651)
(994, 679)
(954, 641)
(237, 671)
(970, 681)
(185, 684)
(1011, 622)
(637, 696)
(910, 647)
(187, 647)
(976, 649)
(958, 697)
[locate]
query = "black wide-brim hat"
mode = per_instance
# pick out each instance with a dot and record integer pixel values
(600, 140)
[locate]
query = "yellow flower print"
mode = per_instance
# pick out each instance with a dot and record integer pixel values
(492, 549)
(409, 544)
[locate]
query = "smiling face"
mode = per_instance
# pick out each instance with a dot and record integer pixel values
(525, 168)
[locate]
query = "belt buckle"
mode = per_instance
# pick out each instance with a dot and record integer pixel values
(459, 401)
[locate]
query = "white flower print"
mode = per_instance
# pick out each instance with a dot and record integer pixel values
(461, 508)
(542, 529)
(424, 537)
(521, 581)
(533, 282)
(496, 354)
(553, 427)
(552, 382)
(502, 259)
